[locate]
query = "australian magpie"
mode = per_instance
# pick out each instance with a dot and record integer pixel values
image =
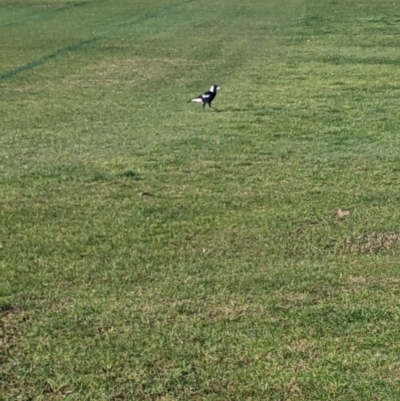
(207, 97)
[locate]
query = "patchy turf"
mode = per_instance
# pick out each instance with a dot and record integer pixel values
(150, 250)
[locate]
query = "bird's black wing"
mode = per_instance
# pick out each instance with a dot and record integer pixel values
(206, 95)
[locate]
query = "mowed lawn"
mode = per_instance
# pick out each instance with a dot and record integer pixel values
(152, 250)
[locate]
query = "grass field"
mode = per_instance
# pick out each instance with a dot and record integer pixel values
(153, 250)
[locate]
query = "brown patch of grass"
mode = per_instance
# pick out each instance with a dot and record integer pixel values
(7, 311)
(175, 191)
(130, 71)
(8, 331)
(388, 280)
(301, 346)
(356, 279)
(372, 242)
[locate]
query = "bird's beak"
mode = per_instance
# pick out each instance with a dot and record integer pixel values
(218, 88)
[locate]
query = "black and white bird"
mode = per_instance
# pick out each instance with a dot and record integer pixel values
(207, 97)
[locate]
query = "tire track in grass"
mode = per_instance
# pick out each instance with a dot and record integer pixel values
(60, 52)
(49, 57)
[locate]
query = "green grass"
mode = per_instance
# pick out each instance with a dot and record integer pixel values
(230, 279)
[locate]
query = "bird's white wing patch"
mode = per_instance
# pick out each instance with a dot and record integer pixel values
(205, 96)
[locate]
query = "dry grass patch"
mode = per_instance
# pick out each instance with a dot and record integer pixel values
(131, 71)
(372, 242)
